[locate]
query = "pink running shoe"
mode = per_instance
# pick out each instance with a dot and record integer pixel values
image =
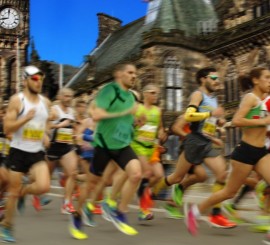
(190, 220)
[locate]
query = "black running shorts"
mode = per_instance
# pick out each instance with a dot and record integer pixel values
(248, 154)
(22, 161)
(102, 157)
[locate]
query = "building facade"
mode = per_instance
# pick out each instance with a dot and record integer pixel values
(14, 40)
(174, 40)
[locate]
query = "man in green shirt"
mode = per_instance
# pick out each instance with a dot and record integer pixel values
(113, 110)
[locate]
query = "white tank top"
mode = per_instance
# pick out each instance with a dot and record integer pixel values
(64, 135)
(29, 137)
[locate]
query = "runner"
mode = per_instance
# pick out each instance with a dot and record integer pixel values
(62, 148)
(113, 109)
(147, 131)
(250, 154)
(26, 120)
(204, 114)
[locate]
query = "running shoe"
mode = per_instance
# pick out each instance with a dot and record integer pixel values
(87, 215)
(36, 203)
(145, 214)
(106, 209)
(120, 222)
(234, 215)
(97, 209)
(21, 205)
(190, 220)
(75, 227)
(44, 200)
(177, 195)
(173, 212)
(67, 208)
(220, 221)
(146, 201)
(6, 234)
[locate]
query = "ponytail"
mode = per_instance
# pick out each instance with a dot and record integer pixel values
(246, 81)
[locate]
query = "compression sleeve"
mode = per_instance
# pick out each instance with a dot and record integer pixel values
(191, 114)
(88, 138)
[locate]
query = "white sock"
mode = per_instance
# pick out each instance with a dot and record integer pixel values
(196, 211)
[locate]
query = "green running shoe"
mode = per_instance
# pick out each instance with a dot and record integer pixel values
(177, 195)
(173, 212)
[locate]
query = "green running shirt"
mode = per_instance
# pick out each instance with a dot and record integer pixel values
(114, 133)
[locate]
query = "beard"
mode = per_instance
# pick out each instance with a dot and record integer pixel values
(209, 88)
(32, 91)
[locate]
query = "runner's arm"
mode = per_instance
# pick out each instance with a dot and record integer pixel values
(11, 121)
(192, 114)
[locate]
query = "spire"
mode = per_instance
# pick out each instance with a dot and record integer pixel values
(34, 56)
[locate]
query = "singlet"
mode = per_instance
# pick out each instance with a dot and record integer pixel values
(29, 137)
(207, 126)
(114, 133)
(147, 133)
(257, 112)
(63, 135)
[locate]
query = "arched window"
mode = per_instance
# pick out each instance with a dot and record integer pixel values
(173, 84)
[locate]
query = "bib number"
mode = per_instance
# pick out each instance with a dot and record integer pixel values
(64, 135)
(33, 132)
(209, 126)
(147, 133)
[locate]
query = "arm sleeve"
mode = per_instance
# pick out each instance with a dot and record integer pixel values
(88, 138)
(191, 114)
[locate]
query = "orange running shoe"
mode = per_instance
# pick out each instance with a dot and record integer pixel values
(146, 201)
(67, 208)
(36, 203)
(97, 209)
(220, 221)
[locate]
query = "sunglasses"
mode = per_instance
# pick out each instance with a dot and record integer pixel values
(36, 77)
(213, 77)
(151, 92)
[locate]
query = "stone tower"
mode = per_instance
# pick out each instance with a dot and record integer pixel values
(14, 40)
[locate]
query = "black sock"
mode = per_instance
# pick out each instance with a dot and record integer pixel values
(181, 187)
(243, 192)
(143, 185)
(216, 211)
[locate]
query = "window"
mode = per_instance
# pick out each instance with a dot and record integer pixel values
(173, 84)
(232, 92)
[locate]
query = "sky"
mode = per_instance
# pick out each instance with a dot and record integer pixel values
(65, 30)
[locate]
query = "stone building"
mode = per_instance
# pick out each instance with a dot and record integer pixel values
(14, 40)
(174, 40)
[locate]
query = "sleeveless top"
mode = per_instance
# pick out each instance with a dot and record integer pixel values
(29, 137)
(63, 135)
(147, 133)
(86, 147)
(257, 112)
(207, 126)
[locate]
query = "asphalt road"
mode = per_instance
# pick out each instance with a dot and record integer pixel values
(50, 227)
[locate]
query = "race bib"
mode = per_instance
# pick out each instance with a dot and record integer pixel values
(210, 126)
(6, 147)
(122, 133)
(33, 131)
(2, 145)
(147, 133)
(64, 135)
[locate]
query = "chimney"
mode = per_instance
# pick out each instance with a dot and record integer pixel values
(106, 25)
